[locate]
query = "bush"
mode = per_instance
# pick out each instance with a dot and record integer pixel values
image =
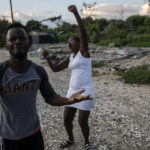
(97, 64)
(140, 74)
(104, 42)
(139, 44)
(94, 38)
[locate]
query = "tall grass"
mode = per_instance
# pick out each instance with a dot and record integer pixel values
(140, 74)
(97, 64)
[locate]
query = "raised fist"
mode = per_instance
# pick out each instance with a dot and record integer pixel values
(72, 8)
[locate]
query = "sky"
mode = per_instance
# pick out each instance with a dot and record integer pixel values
(25, 10)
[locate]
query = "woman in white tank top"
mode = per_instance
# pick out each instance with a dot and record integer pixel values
(79, 63)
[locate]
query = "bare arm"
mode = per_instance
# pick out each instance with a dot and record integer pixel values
(83, 36)
(50, 95)
(57, 100)
(59, 67)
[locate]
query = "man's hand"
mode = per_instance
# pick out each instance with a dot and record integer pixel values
(57, 100)
(72, 8)
(77, 97)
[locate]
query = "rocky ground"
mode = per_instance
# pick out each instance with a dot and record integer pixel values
(120, 118)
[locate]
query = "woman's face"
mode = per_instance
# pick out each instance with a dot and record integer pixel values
(73, 44)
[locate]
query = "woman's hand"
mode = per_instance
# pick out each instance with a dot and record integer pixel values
(45, 53)
(72, 8)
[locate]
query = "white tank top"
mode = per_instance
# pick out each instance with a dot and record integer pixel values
(80, 68)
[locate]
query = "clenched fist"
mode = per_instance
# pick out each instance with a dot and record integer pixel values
(72, 8)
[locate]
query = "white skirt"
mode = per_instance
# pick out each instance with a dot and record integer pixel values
(83, 105)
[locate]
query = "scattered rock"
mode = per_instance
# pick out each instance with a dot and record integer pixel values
(120, 117)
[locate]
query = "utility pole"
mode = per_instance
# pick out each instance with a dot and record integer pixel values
(12, 17)
(122, 12)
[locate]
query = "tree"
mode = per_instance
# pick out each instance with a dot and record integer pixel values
(33, 25)
(3, 26)
(147, 21)
(94, 38)
(87, 21)
(134, 21)
(102, 23)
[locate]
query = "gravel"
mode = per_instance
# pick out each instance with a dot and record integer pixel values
(119, 119)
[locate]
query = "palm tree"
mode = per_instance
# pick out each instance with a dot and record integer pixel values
(12, 17)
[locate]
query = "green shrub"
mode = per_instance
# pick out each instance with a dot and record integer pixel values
(104, 42)
(139, 44)
(97, 64)
(140, 75)
(94, 38)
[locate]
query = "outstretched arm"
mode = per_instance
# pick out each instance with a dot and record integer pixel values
(75, 98)
(83, 36)
(59, 67)
(54, 99)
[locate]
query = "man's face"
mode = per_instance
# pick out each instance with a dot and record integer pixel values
(17, 42)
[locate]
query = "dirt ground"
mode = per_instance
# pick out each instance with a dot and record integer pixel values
(119, 120)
